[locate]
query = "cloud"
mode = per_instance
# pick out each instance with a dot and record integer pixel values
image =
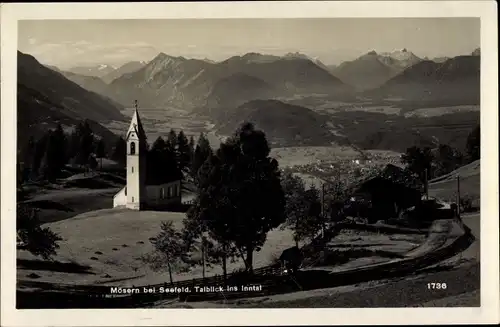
(72, 53)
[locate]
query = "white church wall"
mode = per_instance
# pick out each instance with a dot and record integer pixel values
(120, 198)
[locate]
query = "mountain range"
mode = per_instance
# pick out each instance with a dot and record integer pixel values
(455, 81)
(95, 71)
(192, 83)
(168, 80)
(243, 88)
(46, 97)
(127, 68)
(373, 69)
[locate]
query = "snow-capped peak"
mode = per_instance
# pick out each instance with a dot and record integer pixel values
(407, 58)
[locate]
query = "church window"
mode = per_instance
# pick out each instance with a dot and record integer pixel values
(132, 199)
(162, 193)
(132, 169)
(132, 148)
(169, 192)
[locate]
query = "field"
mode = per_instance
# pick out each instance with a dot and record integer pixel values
(106, 246)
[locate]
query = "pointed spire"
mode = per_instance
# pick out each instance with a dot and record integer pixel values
(136, 125)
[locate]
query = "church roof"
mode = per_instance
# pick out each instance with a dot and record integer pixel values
(136, 126)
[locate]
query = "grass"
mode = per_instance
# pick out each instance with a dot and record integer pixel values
(62, 204)
(445, 187)
(122, 237)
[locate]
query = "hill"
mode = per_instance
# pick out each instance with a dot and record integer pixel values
(90, 83)
(284, 124)
(238, 88)
(455, 81)
(188, 83)
(45, 97)
(127, 68)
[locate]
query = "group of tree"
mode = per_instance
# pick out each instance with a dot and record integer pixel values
(45, 158)
(429, 163)
(239, 200)
(39, 241)
(241, 196)
(172, 156)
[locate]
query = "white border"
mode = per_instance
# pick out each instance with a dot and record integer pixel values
(486, 10)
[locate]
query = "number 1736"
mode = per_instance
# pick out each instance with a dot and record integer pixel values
(436, 286)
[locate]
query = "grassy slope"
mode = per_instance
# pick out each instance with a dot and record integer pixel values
(445, 187)
(117, 233)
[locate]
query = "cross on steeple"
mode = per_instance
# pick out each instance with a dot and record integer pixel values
(136, 125)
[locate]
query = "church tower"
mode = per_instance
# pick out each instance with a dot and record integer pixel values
(136, 163)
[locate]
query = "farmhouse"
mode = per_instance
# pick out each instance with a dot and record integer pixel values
(142, 191)
(389, 192)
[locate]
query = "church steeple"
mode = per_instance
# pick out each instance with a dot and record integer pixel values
(136, 126)
(136, 163)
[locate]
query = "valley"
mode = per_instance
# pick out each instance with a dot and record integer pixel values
(307, 174)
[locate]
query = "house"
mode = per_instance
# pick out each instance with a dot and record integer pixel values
(142, 191)
(389, 192)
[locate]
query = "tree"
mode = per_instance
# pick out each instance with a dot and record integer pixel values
(119, 153)
(39, 153)
(419, 161)
(240, 196)
(161, 162)
(92, 162)
(61, 144)
(473, 144)
(100, 151)
(200, 155)
(86, 144)
(26, 156)
(183, 151)
(73, 143)
(169, 243)
(33, 238)
(447, 159)
(192, 147)
(172, 140)
(49, 165)
(215, 247)
(302, 207)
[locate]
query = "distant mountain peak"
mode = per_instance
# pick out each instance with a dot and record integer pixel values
(160, 56)
(476, 52)
(372, 53)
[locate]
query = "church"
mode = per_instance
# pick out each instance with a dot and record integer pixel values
(142, 191)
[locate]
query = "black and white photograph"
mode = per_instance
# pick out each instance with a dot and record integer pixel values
(249, 163)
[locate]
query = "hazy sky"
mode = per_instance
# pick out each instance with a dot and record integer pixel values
(67, 43)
